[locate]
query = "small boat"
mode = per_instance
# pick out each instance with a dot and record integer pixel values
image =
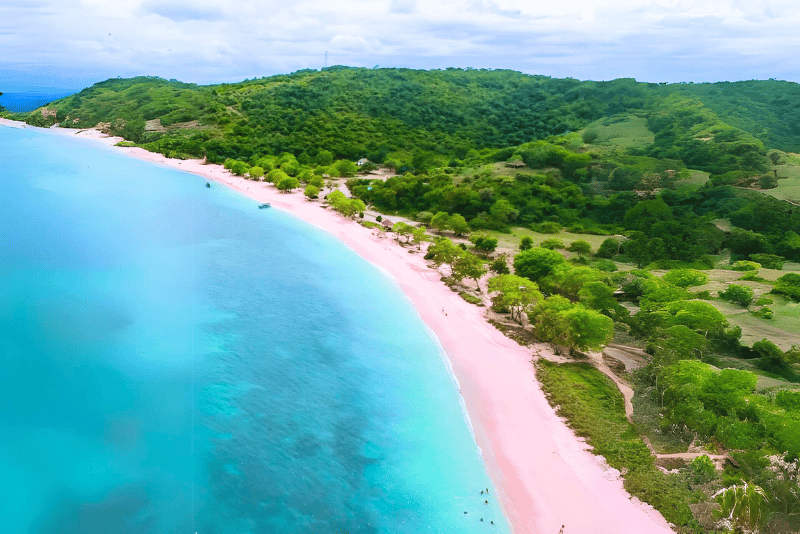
(262, 206)
(208, 184)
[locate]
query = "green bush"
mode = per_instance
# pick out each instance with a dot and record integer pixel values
(609, 248)
(745, 265)
(548, 227)
(741, 295)
(702, 470)
(764, 301)
(526, 243)
(686, 277)
(788, 285)
(484, 243)
(580, 247)
(500, 266)
(769, 261)
(764, 313)
(552, 244)
(605, 265)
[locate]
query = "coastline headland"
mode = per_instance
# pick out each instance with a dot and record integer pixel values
(546, 477)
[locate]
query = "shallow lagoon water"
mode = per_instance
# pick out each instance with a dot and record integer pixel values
(176, 360)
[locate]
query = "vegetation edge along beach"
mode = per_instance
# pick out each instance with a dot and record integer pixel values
(660, 221)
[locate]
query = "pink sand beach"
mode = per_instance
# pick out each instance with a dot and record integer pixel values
(544, 475)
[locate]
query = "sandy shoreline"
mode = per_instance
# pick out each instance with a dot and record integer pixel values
(544, 475)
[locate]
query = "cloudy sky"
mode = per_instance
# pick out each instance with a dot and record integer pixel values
(73, 43)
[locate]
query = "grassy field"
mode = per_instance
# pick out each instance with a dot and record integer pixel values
(783, 329)
(625, 130)
(695, 178)
(788, 184)
(511, 241)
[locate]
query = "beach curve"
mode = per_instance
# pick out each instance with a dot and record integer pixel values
(545, 476)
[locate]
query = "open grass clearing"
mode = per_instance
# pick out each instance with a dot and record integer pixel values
(625, 130)
(695, 178)
(512, 240)
(788, 184)
(783, 329)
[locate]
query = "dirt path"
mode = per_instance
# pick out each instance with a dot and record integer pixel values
(596, 359)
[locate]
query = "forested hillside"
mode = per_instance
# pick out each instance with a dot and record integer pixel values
(679, 205)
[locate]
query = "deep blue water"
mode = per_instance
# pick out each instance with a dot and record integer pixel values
(28, 101)
(174, 360)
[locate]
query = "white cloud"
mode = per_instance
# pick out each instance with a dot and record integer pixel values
(226, 40)
(403, 6)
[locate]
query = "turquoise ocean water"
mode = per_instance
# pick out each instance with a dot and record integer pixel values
(174, 360)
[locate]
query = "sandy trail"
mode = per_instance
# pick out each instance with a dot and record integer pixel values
(545, 476)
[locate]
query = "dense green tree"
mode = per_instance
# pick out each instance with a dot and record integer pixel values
(526, 243)
(441, 221)
(537, 263)
(287, 184)
(345, 168)
(581, 247)
(458, 224)
(484, 243)
(589, 329)
(418, 235)
(256, 173)
(609, 248)
(500, 265)
(403, 230)
(517, 294)
(324, 157)
(311, 191)
(317, 181)
(550, 324)
(442, 251)
(686, 277)
(598, 296)
(239, 168)
(468, 265)
(697, 315)
(771, 357)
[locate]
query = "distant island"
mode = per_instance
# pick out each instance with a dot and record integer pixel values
(651, 229)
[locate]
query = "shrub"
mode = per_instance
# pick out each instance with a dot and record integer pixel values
(745, 265)
(607, 266)
(741, 295)
(552, 244)
(686, 277)
(424, 216)
(580, 247)
(589, 136)
(702, 470)
(547, 227)
(609, 248)
(771, 357)
(311, 191)
(526, 243)
(484, 243)
(768, 261)
(764, 301)
(500, 266)
(789, 285)
(752, 276)
(764, 313)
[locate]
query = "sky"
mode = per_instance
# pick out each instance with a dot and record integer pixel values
(50, 45)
